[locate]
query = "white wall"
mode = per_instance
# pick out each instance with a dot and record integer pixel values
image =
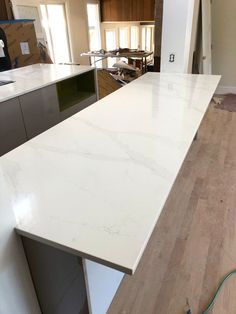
(191, 33)
(224, 43)
(102, 284)
(179, 34)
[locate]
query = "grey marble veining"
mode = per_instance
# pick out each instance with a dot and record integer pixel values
(95, 184)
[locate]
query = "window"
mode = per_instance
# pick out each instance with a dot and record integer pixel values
(55, 25)
(127, 35)
(134, 37)
(124, 37)
(110, 38)
(94, 31)
(94, 26)
(148, 38)
(30, 10)
(143, 38)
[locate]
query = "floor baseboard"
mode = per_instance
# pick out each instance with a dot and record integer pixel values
(222, 90)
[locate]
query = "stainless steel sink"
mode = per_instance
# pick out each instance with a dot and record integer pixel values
(5, 82)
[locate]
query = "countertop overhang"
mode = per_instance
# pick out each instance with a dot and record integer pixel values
(95, 184)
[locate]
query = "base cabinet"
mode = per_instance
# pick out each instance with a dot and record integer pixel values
(58, 279)
(66, 283)
(40, 110)
(12, 129)
(29, 115)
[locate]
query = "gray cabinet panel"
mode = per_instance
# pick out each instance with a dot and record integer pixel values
(58, 279)
(40, 110)
(12, 130)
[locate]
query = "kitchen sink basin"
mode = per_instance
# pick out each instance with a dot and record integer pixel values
(5, 82)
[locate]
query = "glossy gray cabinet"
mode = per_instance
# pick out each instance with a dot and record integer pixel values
(40, 110)
(58, 279)
(76, 93)
(28, 115)
(12, 130)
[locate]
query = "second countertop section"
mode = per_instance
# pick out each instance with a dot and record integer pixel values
(30, 78)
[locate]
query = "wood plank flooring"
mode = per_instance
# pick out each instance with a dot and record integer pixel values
(194, 243)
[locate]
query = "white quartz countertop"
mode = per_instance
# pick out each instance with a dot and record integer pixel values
(95, 184)
(32, 77)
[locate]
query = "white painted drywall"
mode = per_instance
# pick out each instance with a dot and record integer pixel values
(173, 34)
(180, 19)
(191, 34)
(16, 289)
(224, 43)
(101, 284)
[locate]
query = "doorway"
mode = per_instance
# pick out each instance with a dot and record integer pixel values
(55, 25)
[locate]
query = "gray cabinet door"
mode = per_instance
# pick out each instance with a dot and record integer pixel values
(12, 130)
(40, 110)
(58, 279)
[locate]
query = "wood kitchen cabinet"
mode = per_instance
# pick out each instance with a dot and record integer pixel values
(147, 12)
(40, 110)
(127, 10)
(12, 130)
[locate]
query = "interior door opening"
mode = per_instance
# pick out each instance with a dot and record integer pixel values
(55, 25)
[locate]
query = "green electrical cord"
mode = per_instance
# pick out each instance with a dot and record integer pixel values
(210, 305)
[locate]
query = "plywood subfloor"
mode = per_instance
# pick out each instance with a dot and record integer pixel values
(194, 242)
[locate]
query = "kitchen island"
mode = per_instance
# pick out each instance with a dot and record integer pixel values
(89, 191)
(30, 78)
(37, 97)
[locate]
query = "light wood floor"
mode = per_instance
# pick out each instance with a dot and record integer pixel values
(194, 242)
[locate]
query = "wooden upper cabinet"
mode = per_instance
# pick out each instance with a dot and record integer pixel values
(127, 10)
(136, 10)
(105, 6)
(148, 10)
